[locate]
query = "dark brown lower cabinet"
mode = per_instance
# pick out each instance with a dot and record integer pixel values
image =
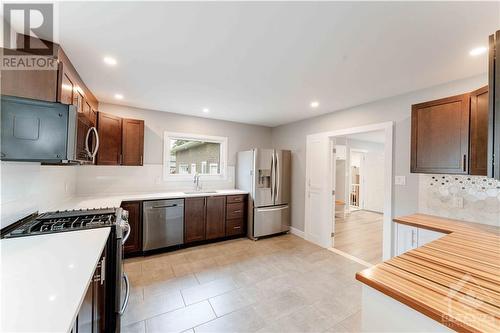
(133, 245)
(92, 314)
(215, 217)
(194, 219)
(235, 227)
(479, 117)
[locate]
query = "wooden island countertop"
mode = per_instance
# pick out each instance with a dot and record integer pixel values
(454, 280)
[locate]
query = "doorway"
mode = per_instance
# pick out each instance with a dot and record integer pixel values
(358, 182)
(323, 195)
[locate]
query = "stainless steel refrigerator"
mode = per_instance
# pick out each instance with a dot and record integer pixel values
(265, 174)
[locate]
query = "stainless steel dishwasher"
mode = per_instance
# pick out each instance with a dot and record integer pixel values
(163, 223)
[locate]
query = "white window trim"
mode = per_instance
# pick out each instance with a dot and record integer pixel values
(208, 138)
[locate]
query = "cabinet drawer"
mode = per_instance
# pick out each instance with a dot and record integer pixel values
(235, 210)
(234, 227)
(235, 198)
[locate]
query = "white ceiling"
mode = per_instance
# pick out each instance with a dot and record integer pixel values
(263, 63)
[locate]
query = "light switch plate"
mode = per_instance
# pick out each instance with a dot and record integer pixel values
(400, 180)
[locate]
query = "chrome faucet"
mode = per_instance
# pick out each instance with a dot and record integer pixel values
(196, 181)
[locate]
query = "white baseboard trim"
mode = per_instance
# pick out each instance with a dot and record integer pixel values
(297, 232)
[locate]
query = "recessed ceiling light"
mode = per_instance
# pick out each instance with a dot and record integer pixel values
(118, 96)
(206, 110)
(314, 104)
(478, 51)
(109, 61)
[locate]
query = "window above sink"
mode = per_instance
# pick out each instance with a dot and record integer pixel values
(186, 155)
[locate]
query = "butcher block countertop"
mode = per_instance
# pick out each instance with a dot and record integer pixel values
(454, 280)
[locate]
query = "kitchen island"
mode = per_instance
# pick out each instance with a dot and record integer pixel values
(44, 279)
(450, 283)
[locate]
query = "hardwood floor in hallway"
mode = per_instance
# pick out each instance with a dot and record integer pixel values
(360, 234)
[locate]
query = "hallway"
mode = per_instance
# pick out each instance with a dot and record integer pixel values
(360, 234)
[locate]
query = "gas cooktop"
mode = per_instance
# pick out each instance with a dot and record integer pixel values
(58, 221)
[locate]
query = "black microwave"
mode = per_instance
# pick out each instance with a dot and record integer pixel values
(47, 132)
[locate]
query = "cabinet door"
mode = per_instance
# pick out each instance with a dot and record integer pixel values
(194, 219)
(84, 320)
(479, 115)
(406, 238)
(67, 88)
(34, 84)
(99, 299)
(215, 221)
(134, 241)
(440, 136)
(110, 139)
(133, 141)
(425, 236)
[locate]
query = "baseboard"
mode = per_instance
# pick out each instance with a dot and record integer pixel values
(297, 232)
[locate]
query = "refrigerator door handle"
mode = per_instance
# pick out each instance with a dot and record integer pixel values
(272, 209)
(272, 177)
(277, 177)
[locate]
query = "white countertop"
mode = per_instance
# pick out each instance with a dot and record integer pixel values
(114, 200)
(44, 278)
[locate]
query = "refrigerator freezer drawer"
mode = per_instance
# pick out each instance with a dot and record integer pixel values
(271, 220)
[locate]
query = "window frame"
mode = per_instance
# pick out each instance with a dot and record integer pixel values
(222, 140)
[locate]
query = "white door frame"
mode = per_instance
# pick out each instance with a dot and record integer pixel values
(326, 222)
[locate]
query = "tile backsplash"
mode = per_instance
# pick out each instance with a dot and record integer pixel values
(468, 198)
(102, 179)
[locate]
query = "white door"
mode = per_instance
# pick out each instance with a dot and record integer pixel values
(318, 204)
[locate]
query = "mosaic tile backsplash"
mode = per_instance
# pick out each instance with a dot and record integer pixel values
(443, 195)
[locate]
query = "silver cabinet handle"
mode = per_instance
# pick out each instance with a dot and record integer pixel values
(127, 293)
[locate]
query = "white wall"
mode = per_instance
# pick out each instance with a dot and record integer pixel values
(293, 136)
(121, 179)
(30, 187)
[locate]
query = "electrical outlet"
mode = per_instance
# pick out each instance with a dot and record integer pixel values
(400, 180)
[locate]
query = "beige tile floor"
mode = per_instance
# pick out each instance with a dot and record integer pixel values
(279, 284)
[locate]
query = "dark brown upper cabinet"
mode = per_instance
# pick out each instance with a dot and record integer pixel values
(133, 245)
(215, 218)
(479, 117)
(440, 136)
(109, 128)
(194, 219)
(132, 142)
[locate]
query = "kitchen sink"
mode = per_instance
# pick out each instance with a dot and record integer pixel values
(200, 192)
